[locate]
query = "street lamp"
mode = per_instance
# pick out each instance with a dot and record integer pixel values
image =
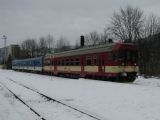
(5, 42)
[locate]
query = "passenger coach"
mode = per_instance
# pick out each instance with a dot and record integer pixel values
(29, 64)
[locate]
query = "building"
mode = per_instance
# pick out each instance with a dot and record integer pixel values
(12, 52)
(1, 55)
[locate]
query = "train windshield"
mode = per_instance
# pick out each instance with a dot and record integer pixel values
(127, 55)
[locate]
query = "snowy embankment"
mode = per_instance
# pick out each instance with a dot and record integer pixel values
(111, 101)
(154, 82)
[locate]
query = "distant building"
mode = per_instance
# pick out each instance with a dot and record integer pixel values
(1, 55)
(12, 52)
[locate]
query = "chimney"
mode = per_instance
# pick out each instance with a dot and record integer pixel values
(82, 41)
(110, 40)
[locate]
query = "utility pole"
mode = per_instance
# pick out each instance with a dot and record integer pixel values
(5, 52)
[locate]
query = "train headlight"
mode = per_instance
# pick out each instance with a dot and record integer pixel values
(124, 74)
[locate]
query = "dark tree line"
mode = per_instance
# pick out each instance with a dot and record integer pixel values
(149, 47)
(149, 55)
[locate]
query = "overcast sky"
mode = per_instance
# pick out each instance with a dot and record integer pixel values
(22, 19)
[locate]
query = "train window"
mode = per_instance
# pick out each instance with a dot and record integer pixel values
(36, 62)
(121, 55)
(101, 60)
(47, 62)
(67, 62)
(44, 62)
(89, 62)
(52, 63)
(94, 60)
(115, 56)
(77, 62)
(74, 62)
(128, 55)
(59, 63)
(71, 62)
(62, 62)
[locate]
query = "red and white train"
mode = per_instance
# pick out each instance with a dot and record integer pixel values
(112, 61)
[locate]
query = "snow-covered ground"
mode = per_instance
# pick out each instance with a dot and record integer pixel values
(110, 101)
(7, 112)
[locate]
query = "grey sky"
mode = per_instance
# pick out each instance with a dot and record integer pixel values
(22, 19)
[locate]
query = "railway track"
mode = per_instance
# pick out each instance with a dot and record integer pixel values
(88, 114)
(23, 102)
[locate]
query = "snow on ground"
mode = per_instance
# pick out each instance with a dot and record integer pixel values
(155, 82)
(47, 109)
(6, 110)
(12, 109)
(111, 101)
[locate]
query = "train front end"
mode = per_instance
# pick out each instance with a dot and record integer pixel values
(124, 62)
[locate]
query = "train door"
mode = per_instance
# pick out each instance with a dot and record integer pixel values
(101, 64)
(55, 66)
(82, 65)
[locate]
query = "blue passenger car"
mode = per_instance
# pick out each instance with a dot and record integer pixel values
(29, 64)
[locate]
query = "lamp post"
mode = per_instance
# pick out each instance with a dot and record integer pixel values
(5, 42)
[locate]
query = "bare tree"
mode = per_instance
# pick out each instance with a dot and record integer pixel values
(127, 24)
(62, 44)
(104, 37)
(77, 44)
(149, 50)
(152, 26)
(29, 47)
(42, 46)
(33, 48)
(92, 38)
(50, 43)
